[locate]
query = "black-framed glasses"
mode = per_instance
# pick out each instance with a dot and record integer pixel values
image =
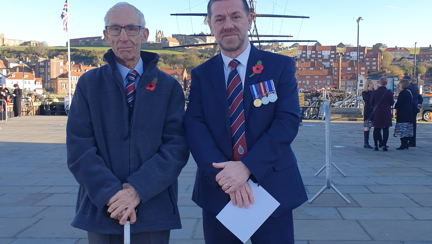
(131, 30)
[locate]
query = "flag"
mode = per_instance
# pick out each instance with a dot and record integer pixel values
(65, 16)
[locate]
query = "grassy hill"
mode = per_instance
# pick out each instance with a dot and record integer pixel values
(95, 49)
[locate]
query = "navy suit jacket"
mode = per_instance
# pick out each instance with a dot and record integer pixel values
(269, 130)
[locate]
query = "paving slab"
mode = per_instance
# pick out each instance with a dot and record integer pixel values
(19, 211)
(59, 200)
(399, 189)
(375, 213)
(53, 228)
(420, 213)
(424, 200)
(21, 199)
(324, 213)
(384, 200)
(331, 230)
(397, 230)
(44, 241)
(10, 227)
(7, 240)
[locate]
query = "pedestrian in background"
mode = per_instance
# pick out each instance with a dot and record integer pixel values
(4, 93)
(416, 104)
(404, 119)
(17, 94)
(366, 95)
(381, 102)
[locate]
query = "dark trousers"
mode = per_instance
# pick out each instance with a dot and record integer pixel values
(273, 231)
(412, 140)
(377, 135)
(157, 237)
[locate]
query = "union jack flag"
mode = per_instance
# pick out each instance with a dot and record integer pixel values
(65, 16)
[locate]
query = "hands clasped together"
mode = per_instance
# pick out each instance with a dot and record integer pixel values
(233, 180)
(122, 205)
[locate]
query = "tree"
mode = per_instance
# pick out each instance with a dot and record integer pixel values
(398, 57)
(380, 45)
(429, 72)
(421, 70)
(387, 59)
(394, 71)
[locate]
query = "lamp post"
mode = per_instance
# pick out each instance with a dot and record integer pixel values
(358, 60)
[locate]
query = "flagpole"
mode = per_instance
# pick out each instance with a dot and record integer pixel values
(69, 59)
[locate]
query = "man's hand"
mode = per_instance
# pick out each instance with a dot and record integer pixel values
(233, 175)
(243, 195)
(122, 204)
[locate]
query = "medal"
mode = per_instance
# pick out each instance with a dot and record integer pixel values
(257, 103)
(272, 91)
(264, 99)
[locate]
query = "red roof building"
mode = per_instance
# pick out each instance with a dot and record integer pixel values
(399, 51)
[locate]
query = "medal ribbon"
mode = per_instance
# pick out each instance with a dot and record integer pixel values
(254, 89)
(262, 90)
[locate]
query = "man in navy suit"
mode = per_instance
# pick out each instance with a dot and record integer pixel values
(242, 117)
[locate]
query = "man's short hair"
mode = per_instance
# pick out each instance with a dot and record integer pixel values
(123, 5)
(210, 3)
(405, 83)
(16, 85)
(383, 81)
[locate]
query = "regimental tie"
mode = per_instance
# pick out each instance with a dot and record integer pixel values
(236, 111)
(130, 87)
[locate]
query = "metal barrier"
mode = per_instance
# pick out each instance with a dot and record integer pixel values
(4, 112)
(329, 163)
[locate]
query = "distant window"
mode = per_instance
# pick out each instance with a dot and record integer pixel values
(42, 70)
(25, 76)
(374, 63)
(373, 58)
(316, 76)
(61, 63)
(41, 63)
(328, 76)
(348, 68)
(367, 63)
(63, 85)
(13, 75)
(363, 68)
(80, 40)
(61, 71)
(307, 76)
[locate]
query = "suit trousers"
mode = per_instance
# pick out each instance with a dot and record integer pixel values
(157, 237)
(275, 230)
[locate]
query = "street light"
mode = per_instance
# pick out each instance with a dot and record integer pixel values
(358, 59)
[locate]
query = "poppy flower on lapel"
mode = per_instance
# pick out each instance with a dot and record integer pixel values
(152, 85)
(257, 69)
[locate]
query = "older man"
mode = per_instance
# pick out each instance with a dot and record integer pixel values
(242, 117)
(125, 139)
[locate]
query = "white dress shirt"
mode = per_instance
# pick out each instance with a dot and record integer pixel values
(241, 67)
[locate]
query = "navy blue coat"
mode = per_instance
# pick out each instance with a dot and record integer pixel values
(104, 150)
(269, 129)
(404, 107)
(366, 95)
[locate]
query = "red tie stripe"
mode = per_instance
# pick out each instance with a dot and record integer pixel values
(130, 87)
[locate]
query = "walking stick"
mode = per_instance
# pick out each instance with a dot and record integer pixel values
(127, 233)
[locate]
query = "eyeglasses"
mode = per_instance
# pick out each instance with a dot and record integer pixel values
(115, 30)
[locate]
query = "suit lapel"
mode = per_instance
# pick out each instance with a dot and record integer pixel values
(219, 86)
(254, 57)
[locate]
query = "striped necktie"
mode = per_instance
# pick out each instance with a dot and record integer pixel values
(130, 87)
(236, 111)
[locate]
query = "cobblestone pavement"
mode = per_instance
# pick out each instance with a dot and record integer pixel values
(390, 192)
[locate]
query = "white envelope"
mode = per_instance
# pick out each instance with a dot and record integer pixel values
(244, 222)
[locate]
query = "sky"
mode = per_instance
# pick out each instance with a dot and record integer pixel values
(392, 22)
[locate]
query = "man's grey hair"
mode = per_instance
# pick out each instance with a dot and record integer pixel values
(122, 6)
(210, 3)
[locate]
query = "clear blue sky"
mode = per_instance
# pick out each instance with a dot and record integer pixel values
(392, 22)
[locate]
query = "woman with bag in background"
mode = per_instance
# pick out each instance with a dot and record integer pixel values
(381, 102)
(367, 112)
(404, 120)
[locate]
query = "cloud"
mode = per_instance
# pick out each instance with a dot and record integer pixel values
(392, 7)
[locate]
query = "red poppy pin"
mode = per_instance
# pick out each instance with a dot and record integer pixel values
(257, 69)
(152, 85)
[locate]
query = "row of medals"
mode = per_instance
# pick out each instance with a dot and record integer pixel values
(272, 97)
